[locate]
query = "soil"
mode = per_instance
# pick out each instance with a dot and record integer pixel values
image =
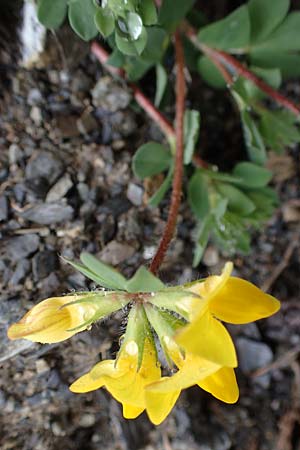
(68, 134)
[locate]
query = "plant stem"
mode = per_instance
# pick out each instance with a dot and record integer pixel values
(220, 58)
(178, 169)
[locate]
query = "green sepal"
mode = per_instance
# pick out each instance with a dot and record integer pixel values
(164, 324)
(144, 281)
(106, 303)
(137, 330)
(174, 299)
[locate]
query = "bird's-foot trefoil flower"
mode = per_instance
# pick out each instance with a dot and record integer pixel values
(182, 323)
(224, 298)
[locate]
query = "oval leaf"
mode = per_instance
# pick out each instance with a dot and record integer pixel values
(252, 175)
(150, 159)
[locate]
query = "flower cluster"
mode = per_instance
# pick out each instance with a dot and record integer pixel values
(185, 322)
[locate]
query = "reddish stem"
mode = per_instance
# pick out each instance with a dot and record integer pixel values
(178, 169)
(220, 58)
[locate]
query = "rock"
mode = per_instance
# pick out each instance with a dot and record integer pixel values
(252, 356)
(34, 97)
(123, 123)
(59, 190)
(3, 208)
(87, 122)
(48, 213)
(211, 256)
(10, 312)
(36, 115)
(114, 253)
(15, 154)
(22, 269)
(44, 263)
(291, 210)
(20, 247)
(135, 194)
(110, 95)
(42, 171)
(67, 126)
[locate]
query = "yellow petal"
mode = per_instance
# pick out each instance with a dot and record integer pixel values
(86, 384)
(208, 338)
(192, 369)
(212, 284)
(159, 404)
(222, 385)
(131, 412)
(48, 322)
(241, 302)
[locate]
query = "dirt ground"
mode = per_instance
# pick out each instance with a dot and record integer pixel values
(68, 132)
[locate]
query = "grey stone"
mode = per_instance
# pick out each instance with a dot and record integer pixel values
(20, 247)
(10, 312)
(110, 95)
(135, 194)
(48, 213)
(87, 122)
(3, 208)
(44, 165)
(59, 190)
(114, 253)
(15, 154)
(22, 269)
(34, 97)
(252, 356)
(44, 263)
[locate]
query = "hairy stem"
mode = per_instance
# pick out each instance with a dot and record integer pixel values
(220, 58)
(178, 169)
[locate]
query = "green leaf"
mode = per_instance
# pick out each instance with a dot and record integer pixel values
(191, 133)
(131, 48)
(116, 59)
(238, 202)
(156, 44)
(173, 11)
(109, 275)
(198, 196)
(136, 68)
(134, 25)
(231, 234)
(52, 13)
(148, 12)
(253, 139)
(252, 175)
(161, 83)
(81, 17)
(249, 91)
(231, 33)
(150, 159)
(278, 129)
(162, 190)
(286, 36)
(88, 273)
(210, 73)
(265, 16)
(144, 281)
(288, 63)
(105, 21)
(202, 239)
(221, 176)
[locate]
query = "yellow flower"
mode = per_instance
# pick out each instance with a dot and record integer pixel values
(58, 318)
(126, 382)
(225, 298)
